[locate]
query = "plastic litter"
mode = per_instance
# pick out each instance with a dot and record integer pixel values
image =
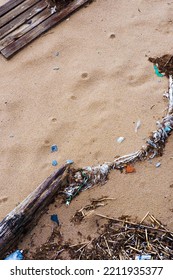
(69, 161)
(54, 218)
(120, 139)
(168, 129)
(54, 148)
(158, 164)
(130, 169)
(143, 257)
(157, 71)
(17, 255)
(138, 124)
(54, 162)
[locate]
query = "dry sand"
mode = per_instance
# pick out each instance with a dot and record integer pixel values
(103, 85)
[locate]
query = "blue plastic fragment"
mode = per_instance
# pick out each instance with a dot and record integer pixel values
(167, 129)
(69, 161)
(54, 148)
(17, 255)
(54, 162)
(55, 219)
(157, 71)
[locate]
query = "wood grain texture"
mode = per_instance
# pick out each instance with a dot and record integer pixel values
(17, 11)
(9, 6)
(24, 216)
(23, 18)
(23, 29)
(19, 43)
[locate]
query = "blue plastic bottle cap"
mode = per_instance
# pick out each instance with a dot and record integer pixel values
(54, 148)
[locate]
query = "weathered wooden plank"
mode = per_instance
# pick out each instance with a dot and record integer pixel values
(17, 11)
(24, 17)
(9, 6)
(23, 29)
(27, 212)
(44, 26)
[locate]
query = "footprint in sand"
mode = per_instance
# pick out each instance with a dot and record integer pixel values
(84, 75)
(3, 199)
(73, 97)
(46, 143)
(112, 36)
(53, 120)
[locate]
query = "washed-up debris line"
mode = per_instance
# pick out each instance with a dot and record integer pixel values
(84, 178)
(164, 64)
(122, 239)
(117, 239)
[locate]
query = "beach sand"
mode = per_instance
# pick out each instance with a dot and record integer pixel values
(80, 86)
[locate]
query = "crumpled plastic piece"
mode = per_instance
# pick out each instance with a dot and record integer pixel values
(143, 257)
(54, 162)
(157, 71)
(54, 218)
(69, 161)
(120, 139)
(17, 255)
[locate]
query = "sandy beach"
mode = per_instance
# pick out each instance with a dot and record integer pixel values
(81, 85)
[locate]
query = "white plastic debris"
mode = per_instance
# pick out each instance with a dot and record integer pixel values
(143, 257)
(104, 169)
(158, 164)
(69, 161)
(137, 126)
(120, 139)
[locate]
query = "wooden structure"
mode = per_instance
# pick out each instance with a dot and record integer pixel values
(27, 213)
(21, 21)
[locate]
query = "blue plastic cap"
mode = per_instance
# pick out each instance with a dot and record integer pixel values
(54, 148)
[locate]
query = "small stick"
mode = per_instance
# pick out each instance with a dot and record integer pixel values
(57, 253)
(139, 251)
(89, 213)
(107, 246)
(77, 244)
(168, 61)
(81, 253)
(146, 215)
(87, 243)
(146, 235)
(157, 222)
(102, 199)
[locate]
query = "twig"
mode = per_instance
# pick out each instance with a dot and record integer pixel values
(107, 246)
(144, 217)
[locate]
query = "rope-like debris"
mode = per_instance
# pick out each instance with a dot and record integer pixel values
(87, 177)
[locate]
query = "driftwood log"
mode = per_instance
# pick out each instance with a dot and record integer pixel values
(25, 215)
